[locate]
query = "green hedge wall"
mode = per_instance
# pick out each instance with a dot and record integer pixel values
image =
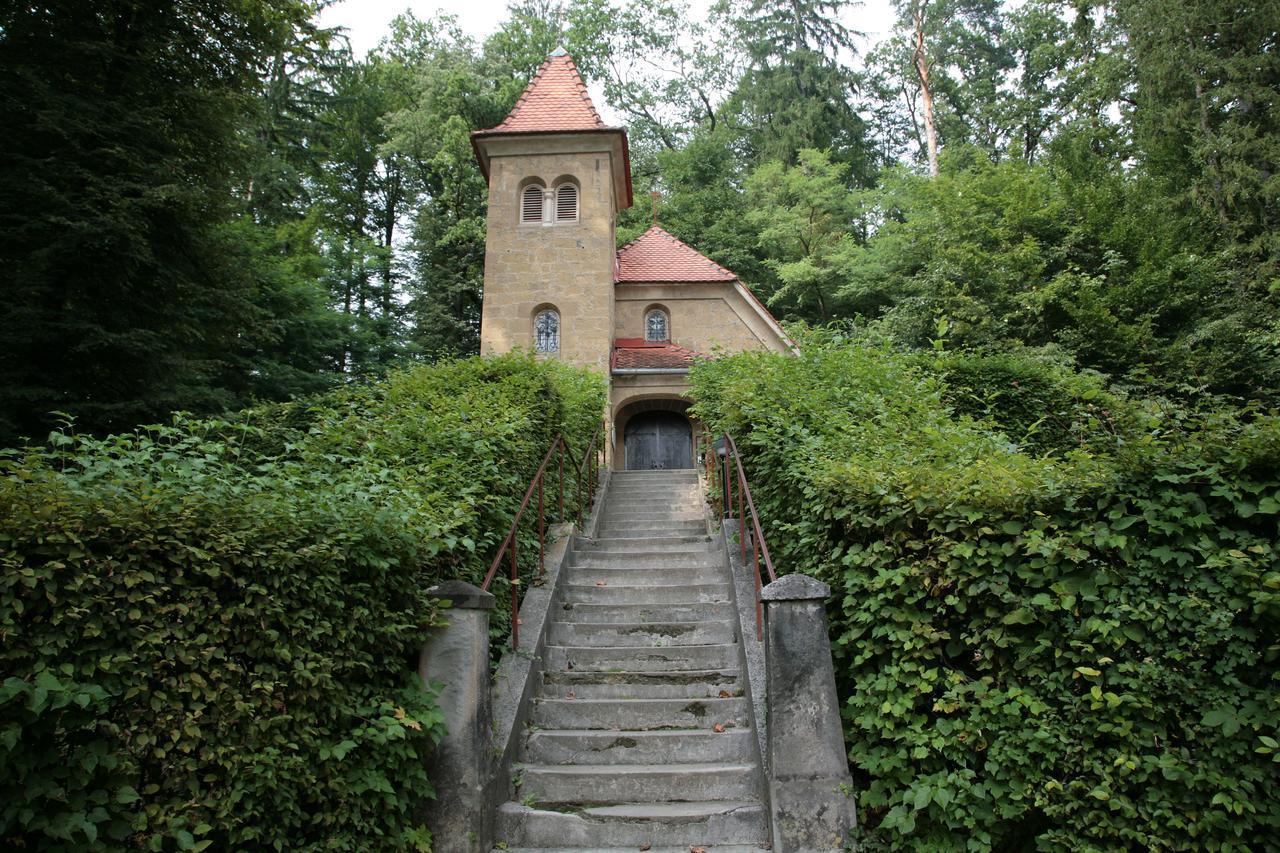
(1055, 610)
(208, 631)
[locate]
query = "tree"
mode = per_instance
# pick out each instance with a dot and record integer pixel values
(121, 122)
(795, 92)
(805, 217)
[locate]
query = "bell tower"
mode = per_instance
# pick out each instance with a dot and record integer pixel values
(557, 176)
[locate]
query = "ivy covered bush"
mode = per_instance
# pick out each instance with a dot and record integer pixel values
(209, 630)
(1055, 610)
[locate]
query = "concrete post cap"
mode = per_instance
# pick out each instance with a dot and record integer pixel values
(795, 587)
(462, 595)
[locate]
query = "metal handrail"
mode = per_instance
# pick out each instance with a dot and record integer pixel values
(587, 473)
(758, 545)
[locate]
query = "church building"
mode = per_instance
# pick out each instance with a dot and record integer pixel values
(555, 283)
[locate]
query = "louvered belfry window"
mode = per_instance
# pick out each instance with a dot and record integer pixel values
(531, 203)
(566, 203)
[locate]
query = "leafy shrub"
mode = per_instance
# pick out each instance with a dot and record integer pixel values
(210, 629)
(1068, 643)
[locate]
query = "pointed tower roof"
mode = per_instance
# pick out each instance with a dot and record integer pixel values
(556, 102)
(657, 255)
(556, 99)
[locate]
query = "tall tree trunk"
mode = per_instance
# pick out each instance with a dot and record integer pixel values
(926, 96)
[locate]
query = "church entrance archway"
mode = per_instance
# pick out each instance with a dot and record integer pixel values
(658, 440)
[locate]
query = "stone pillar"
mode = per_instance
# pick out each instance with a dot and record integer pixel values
(459, 767)
(810, 789)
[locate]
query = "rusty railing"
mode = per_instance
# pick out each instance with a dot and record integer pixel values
(588, 472)
(727, 474)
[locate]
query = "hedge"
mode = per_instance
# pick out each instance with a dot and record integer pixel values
(1055, 609)
(208, 630)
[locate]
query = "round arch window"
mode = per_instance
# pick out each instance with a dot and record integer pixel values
(546, 331)
(657, 326)
(531, 203)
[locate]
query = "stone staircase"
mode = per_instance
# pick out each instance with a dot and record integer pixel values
(641, 737)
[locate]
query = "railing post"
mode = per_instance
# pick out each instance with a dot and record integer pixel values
(728, 489)
(515, 595)
(560, 479)
(810, 789)
(742, 522)
(457, 657)
(542, 566)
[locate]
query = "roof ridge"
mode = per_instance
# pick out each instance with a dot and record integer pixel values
(576, 82)
(636, 239)
(657, 240)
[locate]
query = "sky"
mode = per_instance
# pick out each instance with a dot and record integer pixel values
(366, 21)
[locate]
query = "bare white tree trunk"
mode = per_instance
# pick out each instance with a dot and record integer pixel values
(926, 96)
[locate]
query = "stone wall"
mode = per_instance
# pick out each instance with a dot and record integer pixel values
(568, 266)
(703, 317)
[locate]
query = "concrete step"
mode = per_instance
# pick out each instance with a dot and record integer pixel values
(656, 495)
(656, 593)
(650, 848)
(686, 479)
(643, 613)
(646, 528)
(654, 498)
(653, 514)
(675, 746)
(645, 576)
(640, 714)
(654, 473)
(641, 633)
(707, 684)
(652, 559)
(635, 825)
(591, 784)
(615, 545)
(633, 659)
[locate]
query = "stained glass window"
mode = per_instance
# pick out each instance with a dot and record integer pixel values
(655, 326)
(546, 331)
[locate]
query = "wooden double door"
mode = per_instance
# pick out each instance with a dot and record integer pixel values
(658, 440)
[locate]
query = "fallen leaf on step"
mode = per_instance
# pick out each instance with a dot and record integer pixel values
(599, 583)
(571, 696)
(718, 728)
(646, 846)
(697, 850)
(724, 694)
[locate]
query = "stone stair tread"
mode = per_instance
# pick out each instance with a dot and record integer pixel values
(607, 784)
(623, 751)
(666, 811)
(718, 848)
(636, 769)
(625, 676)
(631, 825)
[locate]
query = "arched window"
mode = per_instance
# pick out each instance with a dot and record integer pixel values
(656, 327)
(531, 203)
(566, 202)
(546, 331)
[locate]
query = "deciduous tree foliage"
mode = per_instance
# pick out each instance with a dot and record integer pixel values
(125, 295)
(211, 628)
(1054, 608)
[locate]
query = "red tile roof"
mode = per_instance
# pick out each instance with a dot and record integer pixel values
(556, 99)
(658, 256)
(639, 354)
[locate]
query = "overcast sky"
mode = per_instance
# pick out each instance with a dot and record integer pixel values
(366, 21)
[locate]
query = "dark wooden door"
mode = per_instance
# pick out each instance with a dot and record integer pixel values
(658, 440)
